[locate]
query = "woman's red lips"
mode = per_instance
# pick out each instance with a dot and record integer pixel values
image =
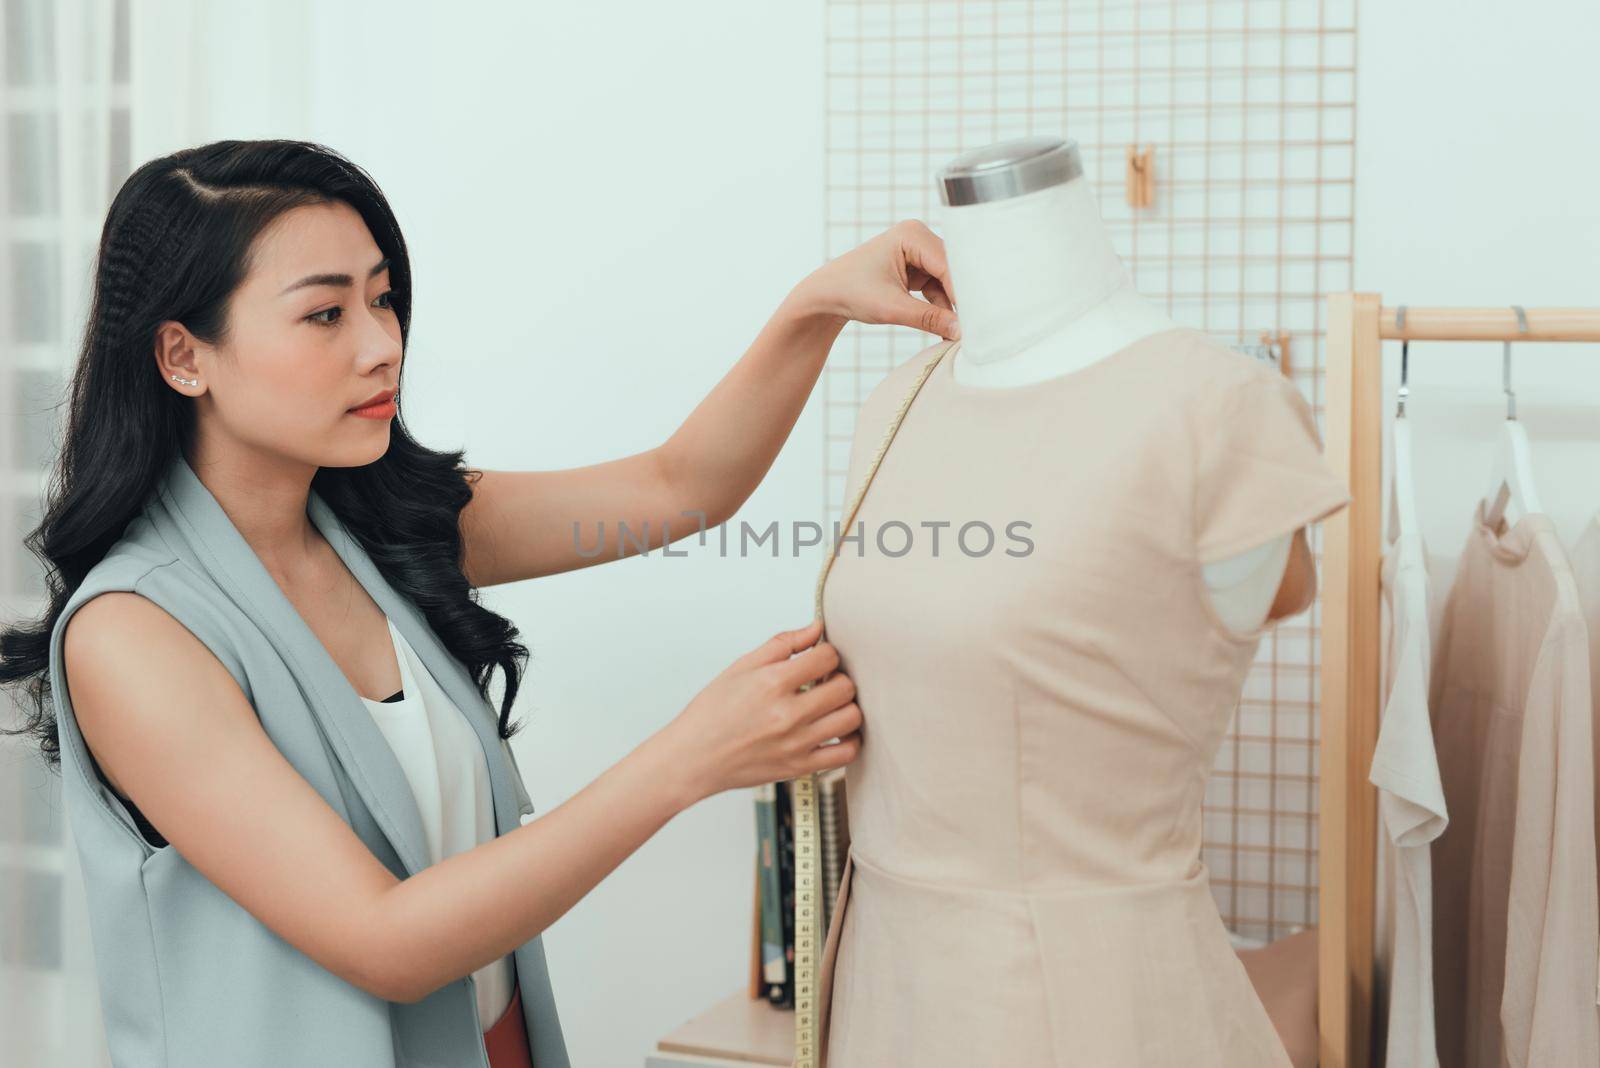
(375, 399)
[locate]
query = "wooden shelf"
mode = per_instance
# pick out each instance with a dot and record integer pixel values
(738, 1031)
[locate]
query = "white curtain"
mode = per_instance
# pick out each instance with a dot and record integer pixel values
(65, 151)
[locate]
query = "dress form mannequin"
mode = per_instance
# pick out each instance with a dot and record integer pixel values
(1042, 293)
(1026, 879)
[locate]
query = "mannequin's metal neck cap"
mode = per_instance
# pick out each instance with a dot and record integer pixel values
(1009, 169)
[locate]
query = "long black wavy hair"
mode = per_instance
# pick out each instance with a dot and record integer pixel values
(175, 246)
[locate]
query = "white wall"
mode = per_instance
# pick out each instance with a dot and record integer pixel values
(604, 203)
(1477, 142)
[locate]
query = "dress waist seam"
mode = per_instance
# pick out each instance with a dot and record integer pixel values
(1199, 877)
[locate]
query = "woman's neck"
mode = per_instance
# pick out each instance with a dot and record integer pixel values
(266, 500)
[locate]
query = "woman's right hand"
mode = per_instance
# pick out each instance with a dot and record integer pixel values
(752, 724)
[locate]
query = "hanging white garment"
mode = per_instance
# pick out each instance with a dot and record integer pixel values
(444, 762)
(1411, 803)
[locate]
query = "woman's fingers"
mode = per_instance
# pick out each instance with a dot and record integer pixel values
(876, 282)
(930, 317)
(839, 723)
(826, 757)
(781, 646)
(809, 666)
(935, 294)
(826, 696)
(924, 251)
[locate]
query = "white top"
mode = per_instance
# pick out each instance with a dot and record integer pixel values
(444, 762)
(1411, 806)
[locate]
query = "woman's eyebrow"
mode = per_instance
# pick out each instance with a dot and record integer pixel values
(340, 280)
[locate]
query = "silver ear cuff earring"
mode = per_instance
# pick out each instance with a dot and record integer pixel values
(185, 381)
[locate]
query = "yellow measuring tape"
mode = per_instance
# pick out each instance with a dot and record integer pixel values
(807, 897)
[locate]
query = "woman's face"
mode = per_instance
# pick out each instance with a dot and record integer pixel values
(311, 336)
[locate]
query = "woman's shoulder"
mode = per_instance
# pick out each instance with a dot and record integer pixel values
(115, 629)
(138, 576)
(126, 569)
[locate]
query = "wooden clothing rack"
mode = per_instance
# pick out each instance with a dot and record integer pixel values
(1356, 407)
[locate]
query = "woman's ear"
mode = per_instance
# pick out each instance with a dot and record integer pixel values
(177, 357)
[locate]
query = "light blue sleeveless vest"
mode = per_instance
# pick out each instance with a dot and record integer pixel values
(187, 977)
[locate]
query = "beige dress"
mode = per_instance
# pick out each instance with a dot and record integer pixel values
(1024, 884)
(1514, 895)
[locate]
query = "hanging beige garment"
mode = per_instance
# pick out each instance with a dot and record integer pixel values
(1042, 705)
(1586, 570)
(1411, 812)
(1515, 910)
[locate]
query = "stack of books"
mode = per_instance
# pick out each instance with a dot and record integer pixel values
(772, 942)
(834, 828)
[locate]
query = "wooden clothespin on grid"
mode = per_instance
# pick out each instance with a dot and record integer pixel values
(1273, 349)
(1278, 345)
(1141, 177)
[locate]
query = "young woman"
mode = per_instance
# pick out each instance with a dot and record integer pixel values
(244, 538)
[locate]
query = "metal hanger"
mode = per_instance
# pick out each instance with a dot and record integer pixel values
(1402, 486)
(1511, 488)
(1405, 360)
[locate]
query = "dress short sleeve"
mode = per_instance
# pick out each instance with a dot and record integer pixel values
(1259, 468)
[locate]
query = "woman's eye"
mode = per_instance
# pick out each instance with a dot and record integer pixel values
(334, 313)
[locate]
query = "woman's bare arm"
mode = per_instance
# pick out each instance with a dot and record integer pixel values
(173, 732)
(519, 524)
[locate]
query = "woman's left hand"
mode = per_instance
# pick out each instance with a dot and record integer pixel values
(873, 282)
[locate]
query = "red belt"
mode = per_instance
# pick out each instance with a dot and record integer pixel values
(507, 1040)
